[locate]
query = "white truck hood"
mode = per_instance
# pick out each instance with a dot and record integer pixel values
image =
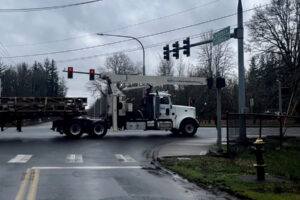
(186, 111)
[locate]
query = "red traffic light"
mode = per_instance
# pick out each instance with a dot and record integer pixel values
(92, 74)
(70, 72)
(192, 101)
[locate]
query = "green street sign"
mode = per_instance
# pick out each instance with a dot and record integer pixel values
(221, 36)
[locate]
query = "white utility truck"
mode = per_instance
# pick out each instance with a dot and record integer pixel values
(157, 113)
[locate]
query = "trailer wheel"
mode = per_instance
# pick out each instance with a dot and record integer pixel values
(73, 130)
(189, 127)
(98, 130)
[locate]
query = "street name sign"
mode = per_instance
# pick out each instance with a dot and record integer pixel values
(221, 36)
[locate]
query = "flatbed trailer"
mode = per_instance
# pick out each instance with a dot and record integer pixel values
(14, 110)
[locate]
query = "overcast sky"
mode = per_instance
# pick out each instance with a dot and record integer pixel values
(28, 33)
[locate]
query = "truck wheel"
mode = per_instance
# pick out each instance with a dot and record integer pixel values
(189, 128)
(73, 130)
(98, 130)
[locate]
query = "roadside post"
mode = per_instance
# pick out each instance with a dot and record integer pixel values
(218, 38)
(279, 98)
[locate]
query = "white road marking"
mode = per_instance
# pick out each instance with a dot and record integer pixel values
(125, 158)
(74, 158)
(89, 167)
(20, 158)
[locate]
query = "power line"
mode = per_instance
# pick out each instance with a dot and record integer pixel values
(121, 41)
(120, 28)
(162, 17)
(9, 10)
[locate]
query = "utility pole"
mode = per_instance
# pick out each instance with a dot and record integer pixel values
(240, 37)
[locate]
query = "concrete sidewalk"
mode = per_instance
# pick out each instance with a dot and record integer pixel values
(190, 147)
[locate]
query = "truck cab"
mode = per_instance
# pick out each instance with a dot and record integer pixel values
(160, 114)
(183, 118)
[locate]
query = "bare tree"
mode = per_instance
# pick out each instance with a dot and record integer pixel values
(213, 59)
(275, 29)
(2, 67)
(181, 67)
(165, 68)
(120, 63)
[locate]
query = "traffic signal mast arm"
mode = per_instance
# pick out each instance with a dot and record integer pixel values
(153, 80)
(232, 35)
(187, 45)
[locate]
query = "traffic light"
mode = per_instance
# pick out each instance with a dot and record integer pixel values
(92, 74)
(210, 82)
(192, 101)
(187, 47)
(220, 82)
(70, 72)
(176, 50)
(167, 52)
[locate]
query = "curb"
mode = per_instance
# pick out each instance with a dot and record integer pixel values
(155, 161)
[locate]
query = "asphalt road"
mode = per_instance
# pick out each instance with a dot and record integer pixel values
(41, 164)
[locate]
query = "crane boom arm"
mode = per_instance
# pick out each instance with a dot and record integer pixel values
(153, 80)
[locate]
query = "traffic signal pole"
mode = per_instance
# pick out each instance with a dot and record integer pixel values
(240, 37)
(219, 125)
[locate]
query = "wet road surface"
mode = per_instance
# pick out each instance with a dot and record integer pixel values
(41, 164)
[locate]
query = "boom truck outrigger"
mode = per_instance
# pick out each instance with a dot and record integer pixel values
(158, 112)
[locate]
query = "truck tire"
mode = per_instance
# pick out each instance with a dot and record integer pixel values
(189, 127)
(73, 129)
(98, 130)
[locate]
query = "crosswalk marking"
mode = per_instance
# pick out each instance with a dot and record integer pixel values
(87, 167)
(74, 158)
(20, 158)
(124, 158)
(70, 158)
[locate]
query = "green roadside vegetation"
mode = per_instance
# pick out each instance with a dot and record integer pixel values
(224, 173)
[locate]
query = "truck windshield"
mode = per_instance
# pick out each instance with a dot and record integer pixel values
(164, 100)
